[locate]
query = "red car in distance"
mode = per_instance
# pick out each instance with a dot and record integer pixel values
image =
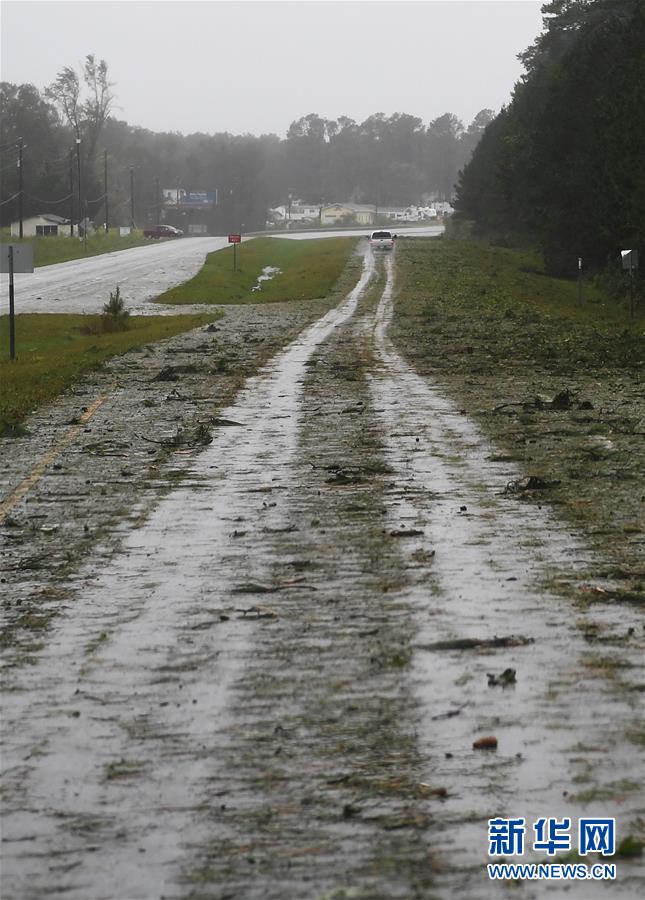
(162, 231)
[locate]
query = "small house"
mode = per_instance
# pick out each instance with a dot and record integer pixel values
(44, 225)
(360, 213)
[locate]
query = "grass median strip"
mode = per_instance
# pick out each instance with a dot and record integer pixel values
(56, 350)
(300, 270)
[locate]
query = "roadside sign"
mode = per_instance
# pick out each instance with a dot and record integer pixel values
(629, 258)
(235, 239)
(630, 262)
(23, 258)
(15, 258)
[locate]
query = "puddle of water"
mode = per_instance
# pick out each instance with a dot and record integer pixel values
(491, 553)
(268, 273)
(110, 750)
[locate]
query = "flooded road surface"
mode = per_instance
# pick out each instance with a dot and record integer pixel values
(252, 698)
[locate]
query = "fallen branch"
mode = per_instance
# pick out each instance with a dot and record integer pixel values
(474, 643)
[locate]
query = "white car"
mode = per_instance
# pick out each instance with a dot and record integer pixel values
(382, 240)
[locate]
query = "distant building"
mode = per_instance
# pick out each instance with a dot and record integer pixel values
(409, 213)
(44, 225)
(296, 212)
(443, 208)
(360, 213)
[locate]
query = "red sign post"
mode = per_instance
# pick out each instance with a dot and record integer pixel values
(235, 239)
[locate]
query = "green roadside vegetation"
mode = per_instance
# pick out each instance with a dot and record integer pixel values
(308, 270)
(506, 341)
(54, 351)
(50, 250)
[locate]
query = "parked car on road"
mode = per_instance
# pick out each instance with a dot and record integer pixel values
(162, 231)
(382, 240)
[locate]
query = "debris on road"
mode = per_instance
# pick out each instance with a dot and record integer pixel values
(485, 743)
(477, 643)
(506, 678)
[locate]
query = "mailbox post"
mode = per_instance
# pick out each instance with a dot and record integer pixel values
(630, 262)
(15, 258)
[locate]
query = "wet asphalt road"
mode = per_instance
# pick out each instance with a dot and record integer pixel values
(244, 701)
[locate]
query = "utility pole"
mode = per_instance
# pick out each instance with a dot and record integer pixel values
(105, 191)
(20, 186)
(71, 192)
(157, 202)
(12, 309)
(78, 173)
(132, 197)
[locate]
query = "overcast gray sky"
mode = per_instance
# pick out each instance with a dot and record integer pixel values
(256, 65)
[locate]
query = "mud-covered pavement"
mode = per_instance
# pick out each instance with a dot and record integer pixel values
(265, 680)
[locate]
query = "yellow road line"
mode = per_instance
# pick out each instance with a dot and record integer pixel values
(39, 469)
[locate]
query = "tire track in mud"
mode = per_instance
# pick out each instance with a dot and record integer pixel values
(321, 792)
(494, 568)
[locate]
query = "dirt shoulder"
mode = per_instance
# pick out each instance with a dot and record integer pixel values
(560, 393)
(94, 461)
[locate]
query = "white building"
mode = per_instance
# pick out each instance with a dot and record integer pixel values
(44, 225)
(297, 212)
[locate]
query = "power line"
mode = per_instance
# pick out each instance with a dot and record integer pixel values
(9, 199)
(10, 144)
(39, 200)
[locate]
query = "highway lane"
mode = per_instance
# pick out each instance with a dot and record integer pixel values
(142, 273)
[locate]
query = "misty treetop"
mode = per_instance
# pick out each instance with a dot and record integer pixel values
(564, 163)
(385, 160)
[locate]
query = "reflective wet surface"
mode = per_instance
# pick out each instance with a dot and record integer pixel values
(246, 701)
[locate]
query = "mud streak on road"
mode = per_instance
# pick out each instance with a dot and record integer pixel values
(241, 705)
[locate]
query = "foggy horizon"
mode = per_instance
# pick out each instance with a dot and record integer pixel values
(252, 67)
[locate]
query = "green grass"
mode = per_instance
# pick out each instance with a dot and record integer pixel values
(501, 297)
(49, 250)
(54, 351)
(504, 340)
(309, 270)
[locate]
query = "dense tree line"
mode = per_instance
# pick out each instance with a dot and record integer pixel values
(386, 160)
(564, 163)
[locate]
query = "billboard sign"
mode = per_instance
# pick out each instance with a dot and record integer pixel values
(185, 199)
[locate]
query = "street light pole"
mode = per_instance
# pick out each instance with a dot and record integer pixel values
(71, 192)
(20, 187)
(78, 175)
(132, 197)
(105, 191)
